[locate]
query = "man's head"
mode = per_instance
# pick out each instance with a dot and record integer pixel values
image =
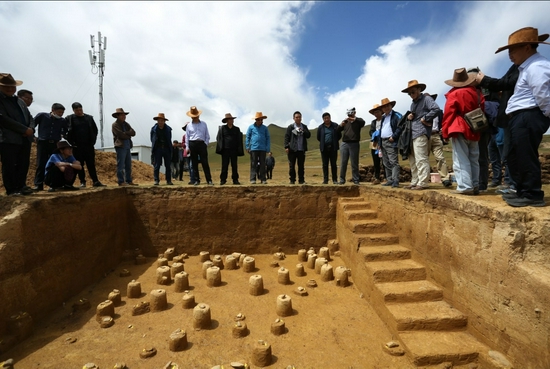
(194, 113)
(175, 143)
(228, 119)
(386, 105)
(523, 37)
(297, 116)
(64, 148)
(259, 118)
(414, 89)
(8, 85)
(270, 154)
(351, 112)
(77, 109)
(161, 120)
(376, 111)
(120, 114)
(58, 110)
(326, 118)
(26, 96)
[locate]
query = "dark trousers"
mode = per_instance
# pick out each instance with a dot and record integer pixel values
(484, 159)
(198, 148)
(329, 155)
(269, 172)
(44, 149)
(496, 161)
(85, 154)
(526, 130)
(55, 178)
(15, 165)
(160, 155)
(293, 157)
(376, 163)
(229, 155)
(257, 158)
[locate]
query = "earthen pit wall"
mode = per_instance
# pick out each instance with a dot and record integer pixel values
(52, 248)
(491, 261)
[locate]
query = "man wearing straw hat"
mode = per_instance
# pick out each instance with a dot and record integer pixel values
(389, 137)
(122, 138)
(197, 139)
(61, 168)
(161, 141)
(529, 113)
(229, 144)
(258, 143)
(436, 147)
(422, 112)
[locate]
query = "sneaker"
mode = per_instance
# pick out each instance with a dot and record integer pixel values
(133, 184)
(476, 191)
(508, 196)
(395, 185)
(252, 182)
(210, 183)
(15, 194)
(409, 187)
(99, 184)
(82, 184)
(341, 183)
(52, 189)
(26, 191)
(447, 183)
(70, 188)
(494, 184)
(264, 182)
(356, 183)
(156, 183)
(387, 184)
(523, 201)
(38, 188)
(302, 182)
(191, 183)
(334, 182)
(505, 191)
(123, 184)
(466, 192)
(292, 182)
(170, 183)
(419, 188)
(236, 182)
(196, 184)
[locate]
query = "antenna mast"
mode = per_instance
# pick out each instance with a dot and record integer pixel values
(97, 60)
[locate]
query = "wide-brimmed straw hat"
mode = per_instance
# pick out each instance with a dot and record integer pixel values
(194, 112)
(228, 116)
(386, 101)
(374, 108)
(414, 83)
(119, 111)
(6, 79)
(63, 144)
(160, 116)
(461, 78)
(524, 36)
(259, 115)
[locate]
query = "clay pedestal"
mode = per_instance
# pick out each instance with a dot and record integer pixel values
(230, 262)
(217, 261)
(188, 300)
(278, 327)
(158, 300)
(177, 340)
(175, 269)
(163, 275)
(162, 262)
(20, 325)
(283, 276)
(213, 277)
(261, 354)
(302, 255)
(201, 317)
(299, 271)
(115, 297)
(311, 258)
(326, 273)
(134, 290)
(181, 282)
(284, 305)
(324, 252)
(318, 264)
(249, 264)
(205, 265)
(105, 308)
(204, 256)
(239, 329)
(256, 287)
(341, 276)
(169, 253)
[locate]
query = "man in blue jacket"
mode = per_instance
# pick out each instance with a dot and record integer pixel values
(161, 139)
(258, 143)
(389, 135)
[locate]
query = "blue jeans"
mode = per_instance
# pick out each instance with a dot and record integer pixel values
(349, 151)
(123, 165)
(465, 163)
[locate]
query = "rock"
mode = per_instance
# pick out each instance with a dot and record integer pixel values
(120, 366)
(141, 308)
(171, 365)
(300, 291)
(394, 350)
(148, 352)
(124, 273)
(500, 358)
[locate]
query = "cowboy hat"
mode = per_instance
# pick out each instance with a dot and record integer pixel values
(461, 78)
(160, 116)
(386, 101)
(6, 79)
(119, 111)
(414, 83)
(259, 115)
(194, 112)
(524, 36)
(375, 107)
(228, 116)
(63, 144)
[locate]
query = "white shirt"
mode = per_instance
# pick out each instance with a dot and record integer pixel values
(533, 86)
(386, 131)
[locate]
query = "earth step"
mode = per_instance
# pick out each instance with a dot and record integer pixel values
(396, 271)
(412, 291)
(376, 239)
(387, 252)
(361, 214)
(433, 347)
(431, 315)
(355, 205)
(368, 226)
(350, 199)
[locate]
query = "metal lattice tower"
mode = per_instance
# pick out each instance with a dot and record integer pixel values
(97, 60)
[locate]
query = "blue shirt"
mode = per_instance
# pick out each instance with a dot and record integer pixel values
(257, 138)
(197, 132)
(533, 86)
(58, 158)
(50, 127)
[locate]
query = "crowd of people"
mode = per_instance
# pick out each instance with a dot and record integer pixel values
(514, 113)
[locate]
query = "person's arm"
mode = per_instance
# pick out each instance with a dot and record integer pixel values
(268, 140)
(120, 134)
(207, 134)
(13, 125)
(307, 133)
(247, 139)
(286, 143)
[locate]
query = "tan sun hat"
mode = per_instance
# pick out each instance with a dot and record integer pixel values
(119, 111)
(160, 116)
(228, 116)
(375, 107)
(386, 101)
(259, 115)
(414, 83)
(6, 79)
(461, 78)
(194, 112)
(524, 36)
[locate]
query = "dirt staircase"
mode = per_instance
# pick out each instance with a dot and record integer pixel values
(429, 329)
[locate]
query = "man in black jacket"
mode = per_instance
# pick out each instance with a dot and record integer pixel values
(349, 148)
(296, 146)
(328, 137)
(82, 134)
(16, 135)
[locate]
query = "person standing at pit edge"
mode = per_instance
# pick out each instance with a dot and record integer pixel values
(197, 139)
(390, 132)
(349, 148)
(229, 144)
(329, 136)
(122, 137)
(161, 141)
(295, 144)
(269, 165)
(375, 146)
(82, 134)
(258, 143)
(16, 136)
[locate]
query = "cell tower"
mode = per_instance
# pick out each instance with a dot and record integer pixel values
(97, 60)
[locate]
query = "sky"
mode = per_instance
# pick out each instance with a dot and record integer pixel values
(243, 57)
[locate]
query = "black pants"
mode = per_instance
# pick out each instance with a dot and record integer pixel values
(229, 155)
(376, 163)
(44, 149)
(199, 148)
(55, 178)
(526, 130)
(293, 157)
(161, 154)
(257, 161)
(329, 155)
(269, 172)
(85, 154)
(15, 165)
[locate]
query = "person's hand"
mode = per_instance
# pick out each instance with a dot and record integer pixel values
(29, 132)
(286, 150)
(390, 139)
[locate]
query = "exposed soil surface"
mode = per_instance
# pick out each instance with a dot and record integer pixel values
(332, 327)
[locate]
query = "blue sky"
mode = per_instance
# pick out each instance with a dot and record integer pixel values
(241, 57)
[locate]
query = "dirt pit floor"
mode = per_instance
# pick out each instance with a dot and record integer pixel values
(332, 327)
